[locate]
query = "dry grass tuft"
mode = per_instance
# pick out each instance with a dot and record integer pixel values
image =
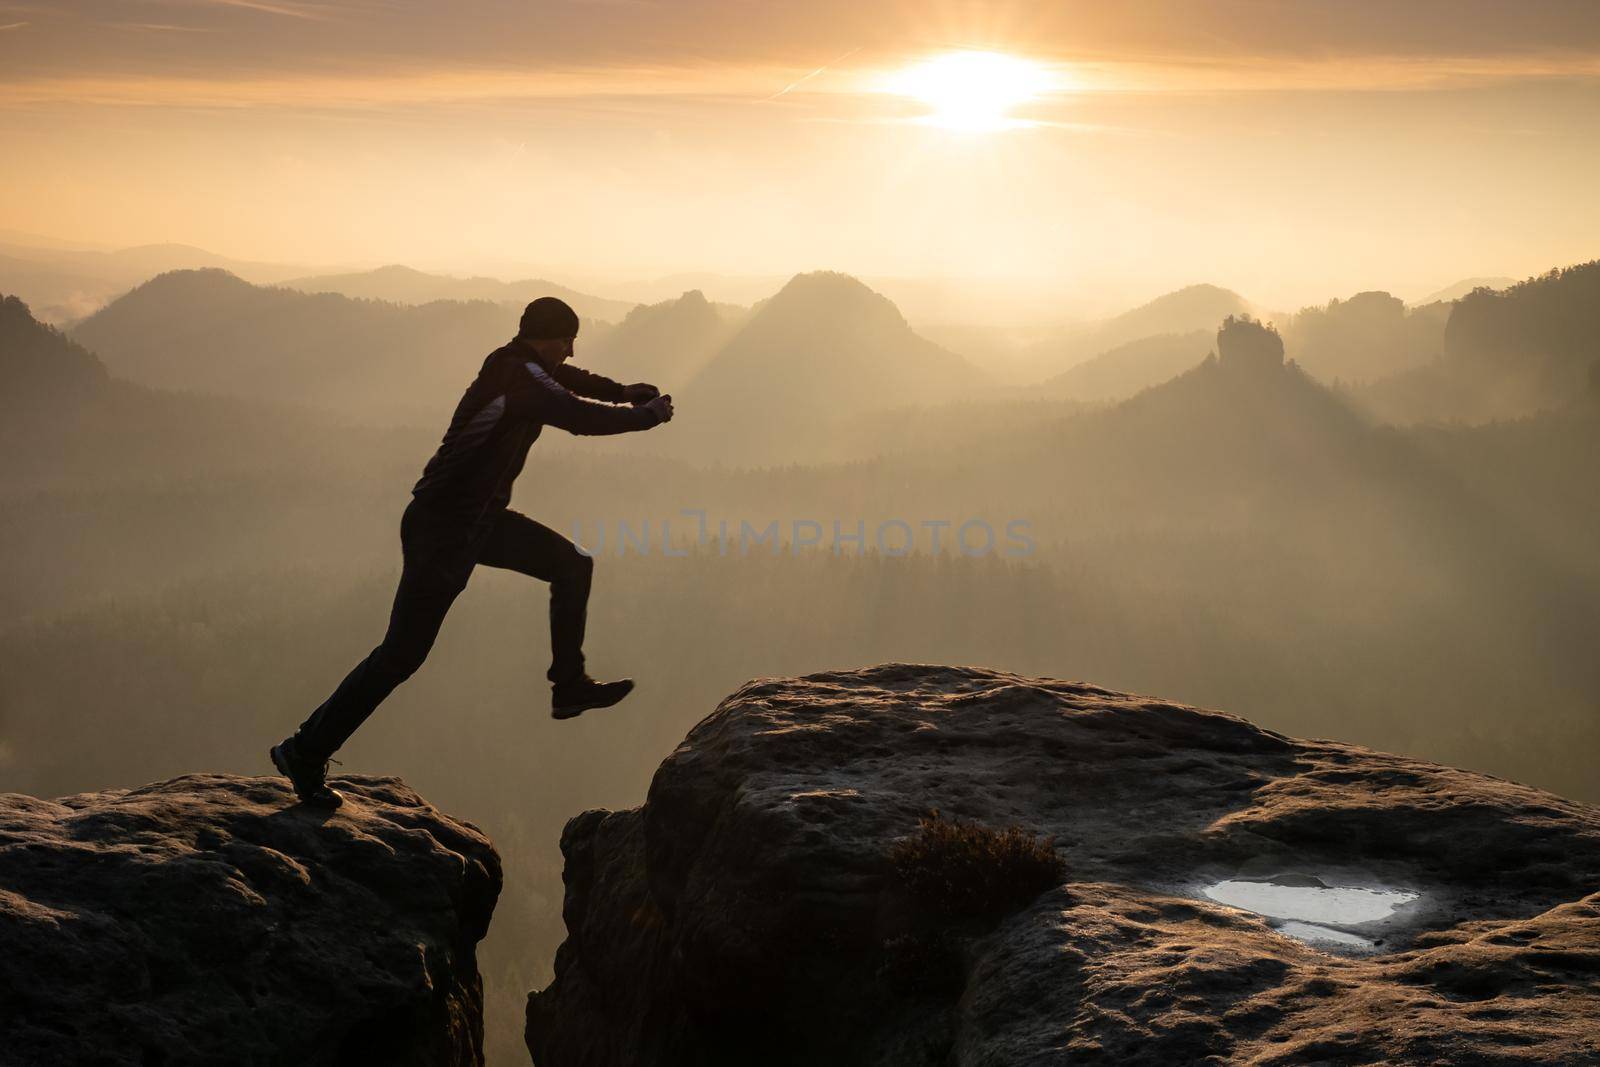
(957, 869)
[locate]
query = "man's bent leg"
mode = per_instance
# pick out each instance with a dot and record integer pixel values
(520, 544)
(429, 584)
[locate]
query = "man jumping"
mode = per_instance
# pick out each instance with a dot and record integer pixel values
(458, 518)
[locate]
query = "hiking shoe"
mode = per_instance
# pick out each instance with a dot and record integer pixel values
(308, 776)
(575, 698)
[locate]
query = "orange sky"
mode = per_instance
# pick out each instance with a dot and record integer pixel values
(1293, 151)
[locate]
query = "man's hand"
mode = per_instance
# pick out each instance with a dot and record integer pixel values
(639, 393)
(662, 406)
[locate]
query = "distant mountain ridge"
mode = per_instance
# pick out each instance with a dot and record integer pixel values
(668, 342)
(1366, 337)
(140, 262)
(1508, 353)
(1183, 311)
(1130, 367)
(63, 282)
(824, 322)
(209, 331)
(1463, 287)
(823, 347)
(826, 347)
(407, 285)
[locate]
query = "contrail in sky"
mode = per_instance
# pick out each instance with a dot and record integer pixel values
(813, 74)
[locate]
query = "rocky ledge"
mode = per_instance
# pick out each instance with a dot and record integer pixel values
(758, 907)
(209, 920)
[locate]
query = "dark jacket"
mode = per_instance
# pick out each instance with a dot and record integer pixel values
(499, 418)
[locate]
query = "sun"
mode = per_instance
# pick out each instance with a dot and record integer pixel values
(972, 90)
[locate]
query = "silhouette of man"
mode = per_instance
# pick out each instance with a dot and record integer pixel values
(458, 518)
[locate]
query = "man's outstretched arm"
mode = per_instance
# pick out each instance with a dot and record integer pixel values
(542, 397)
(588, 383)
(576, 415)
(599, 387)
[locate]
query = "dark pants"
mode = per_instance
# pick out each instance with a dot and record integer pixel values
(439, 553)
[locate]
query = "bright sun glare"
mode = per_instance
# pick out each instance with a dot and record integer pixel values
(972, 90)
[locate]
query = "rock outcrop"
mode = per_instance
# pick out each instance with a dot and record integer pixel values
(207, 920)
(749, 913)
(1245, 345)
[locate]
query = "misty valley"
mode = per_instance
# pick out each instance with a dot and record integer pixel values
(1371, 521)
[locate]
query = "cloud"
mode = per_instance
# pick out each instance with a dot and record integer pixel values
(845, 93)
(12, 26)
(364, 54)
(285, 8)
(318, 35)
(165, 27)
(380, 89)
(1345, 74)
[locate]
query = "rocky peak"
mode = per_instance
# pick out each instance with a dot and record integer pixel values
(1227, 893)
(1249, 346)
(208, 919)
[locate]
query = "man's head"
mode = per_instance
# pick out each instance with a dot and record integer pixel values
(548, 327)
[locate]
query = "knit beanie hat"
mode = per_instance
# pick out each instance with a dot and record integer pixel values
(548, 319)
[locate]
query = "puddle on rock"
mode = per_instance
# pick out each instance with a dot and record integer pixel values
(1305, 903)
(1324, 935)
(1293, 898)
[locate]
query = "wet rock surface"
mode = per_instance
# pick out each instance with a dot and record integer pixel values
(208, 919)
(748, 912)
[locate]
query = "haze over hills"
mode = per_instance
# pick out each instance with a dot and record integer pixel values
(1258, 481)
(406, 285)
(57, 294)
(1194, 307)
(63, 282)
(39, 362)
(1238, 535)
(209, 331)
(769, 375)
(47, 242)
(926, 302)
(668, 342)
(1130, 367)
(743, 289)
(1266, 431)
(113, 489)
(1260, 426)
(1242, 493)
(828, 345)
(1247, 483)
(1485, 355)
(1527, 348)
(823, 347)
(1351, 340)
(1369, 336)
(144, 261)
(73, 425)
(1463, 287)
(716, 355)
(1536, 342)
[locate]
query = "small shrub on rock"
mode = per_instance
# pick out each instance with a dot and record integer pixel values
(960, 870)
